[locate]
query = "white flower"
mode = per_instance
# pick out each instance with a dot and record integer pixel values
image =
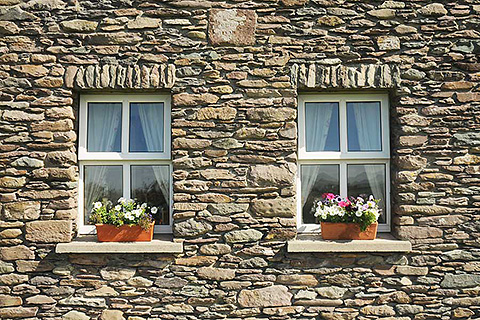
(154, 210)
(143, 206)
(122, 200)
(137, 212)
(97, 205)
(130, 201)
(118, 207)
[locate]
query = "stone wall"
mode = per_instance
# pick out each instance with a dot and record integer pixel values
(234, 70)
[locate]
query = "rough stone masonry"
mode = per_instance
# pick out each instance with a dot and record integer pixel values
(234, 70)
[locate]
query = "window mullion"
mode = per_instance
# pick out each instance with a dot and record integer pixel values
(343, 179)
(126, 181)
(343, 127)
(125, 126)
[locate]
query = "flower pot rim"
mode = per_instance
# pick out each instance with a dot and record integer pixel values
(123, 225)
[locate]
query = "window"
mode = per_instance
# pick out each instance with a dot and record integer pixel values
(124, 151)
(344, 149)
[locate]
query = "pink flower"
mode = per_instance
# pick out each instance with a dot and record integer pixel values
(330, 196)
(343, 204)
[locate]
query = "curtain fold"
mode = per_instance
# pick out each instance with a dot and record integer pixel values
(317, 124)
(367, 120)
(309, 174)
(162, 176)
(151, 120)
(94, 184)
(104, 122)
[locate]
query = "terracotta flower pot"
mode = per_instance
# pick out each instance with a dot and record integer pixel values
(125, 233)
(347, 231)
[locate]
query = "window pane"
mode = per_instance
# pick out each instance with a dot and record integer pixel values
(364, 126)
(151, 184)
(146, 127)
(321, 126)
(317, 180)
(366, 180)
(104, 132)
(102, 183)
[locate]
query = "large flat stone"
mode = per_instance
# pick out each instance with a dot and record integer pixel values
(232, 27)
(274, 296)
(48, 231)
(277, 207)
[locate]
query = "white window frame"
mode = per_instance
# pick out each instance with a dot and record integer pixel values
(342, 157)
(123, 158)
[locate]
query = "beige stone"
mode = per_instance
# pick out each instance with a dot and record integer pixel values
(16, 253)
(10, 301)
(48, 231)
(331, 21)
(271, 176)
(144, 23)
(298, 280)
(31, 70)
(223, 113)
(273, 296)
(79, 25)
(414, 232)
(388, 43)
(277, 207)
(12, 182)
(232, 27)
(196, 261)
(271, 114)
(433, 9)
(193, 100)
(18, 312)
(217, 274)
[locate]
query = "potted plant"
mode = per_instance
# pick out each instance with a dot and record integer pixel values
(124, 222)
(347, 219)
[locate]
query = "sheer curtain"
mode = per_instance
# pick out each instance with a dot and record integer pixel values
(367, 120)
(94, 184)
(317, 124)
(309, 174)
(104, 121)
(162, 175)
(151, 119)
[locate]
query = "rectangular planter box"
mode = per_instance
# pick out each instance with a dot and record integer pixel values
(347, 231)
(125, 233)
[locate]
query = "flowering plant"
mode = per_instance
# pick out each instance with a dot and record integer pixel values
(333, 208)
(127, 211)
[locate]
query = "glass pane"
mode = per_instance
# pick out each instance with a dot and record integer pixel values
(321, 126)
(102, 183)
(104, 132)
(317, 180)
(364, 126)
(368, 179)
(146, 127)
(151, 184)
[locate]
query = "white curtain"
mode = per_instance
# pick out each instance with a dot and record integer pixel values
(94, 184)
(104, 122)
(162, 175)
(317, 124)
(309, 177)
(151, 119)
(367, 120)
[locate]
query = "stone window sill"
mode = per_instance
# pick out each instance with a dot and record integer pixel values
(385, 242)
(89, 244)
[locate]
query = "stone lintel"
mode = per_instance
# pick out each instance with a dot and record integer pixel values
(383, 243)
(89, 244)
(110, 76)
(367, 76)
